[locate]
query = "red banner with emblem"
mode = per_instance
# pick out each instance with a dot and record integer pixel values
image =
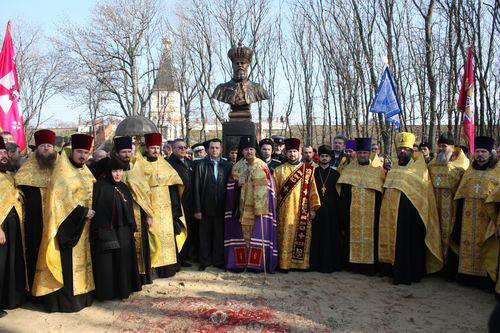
(466, 100)
(10, 115)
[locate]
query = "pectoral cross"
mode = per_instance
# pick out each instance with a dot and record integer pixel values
(438, 181)
(477, 187)
(323, 190)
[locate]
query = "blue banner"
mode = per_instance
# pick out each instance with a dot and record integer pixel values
(386, 100)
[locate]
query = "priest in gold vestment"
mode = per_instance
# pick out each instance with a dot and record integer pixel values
(409, 234)
(153, 181)
(33, 178)
(492, 204)
(297, 202)
(446, 170)
(12, 271)
(361, 185)
(475, 232)
(64, 274)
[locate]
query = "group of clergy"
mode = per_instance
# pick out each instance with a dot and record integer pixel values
(69, 235)
(415, 219)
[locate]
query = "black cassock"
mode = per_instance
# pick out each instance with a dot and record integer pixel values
(12, 281)
(33, 227)
(409, 263)
(68, 235)
(325, 253)
(114, 260)
(345, 222)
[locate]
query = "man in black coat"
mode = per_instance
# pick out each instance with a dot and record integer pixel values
(338, 150)
(209, 193)
(185, 169)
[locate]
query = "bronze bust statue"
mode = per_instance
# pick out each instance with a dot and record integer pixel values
(240, 92)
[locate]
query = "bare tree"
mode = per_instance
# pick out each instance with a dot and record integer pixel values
(184, 57)
(38, 69)
(305, 74)
(426, 11)
(121, 48)
(331, 55)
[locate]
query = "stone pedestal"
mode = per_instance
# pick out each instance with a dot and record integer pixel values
(233, 130)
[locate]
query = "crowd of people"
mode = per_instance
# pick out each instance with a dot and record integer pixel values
(75, 228)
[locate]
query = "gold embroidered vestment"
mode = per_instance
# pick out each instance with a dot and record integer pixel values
(412, 180)
(366, 181)
(68, 188)
(479, 220)
(291, 212)
(445, 180)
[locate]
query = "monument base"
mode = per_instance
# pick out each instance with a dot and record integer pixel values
(240, 113)
(232, 131)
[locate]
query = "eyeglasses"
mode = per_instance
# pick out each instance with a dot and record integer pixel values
(181, 147)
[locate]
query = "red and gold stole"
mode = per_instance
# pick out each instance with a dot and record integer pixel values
(305, 172)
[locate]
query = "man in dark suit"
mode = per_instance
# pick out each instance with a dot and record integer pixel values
(185, 169)
(209, 194)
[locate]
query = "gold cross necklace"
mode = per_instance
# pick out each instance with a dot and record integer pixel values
(323, 182)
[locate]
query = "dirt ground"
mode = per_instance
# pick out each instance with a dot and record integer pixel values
(217, 301)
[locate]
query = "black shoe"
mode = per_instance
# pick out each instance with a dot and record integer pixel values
(186, 264)
(2, 313)
(201, 268)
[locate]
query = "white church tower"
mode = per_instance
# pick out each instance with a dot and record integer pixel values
(165, 99)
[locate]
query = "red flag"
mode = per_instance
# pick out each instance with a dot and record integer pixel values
(10, 117)
(466, 100)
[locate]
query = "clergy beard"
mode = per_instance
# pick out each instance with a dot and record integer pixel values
(76, 164)
(325, 165)
(46, 161)
(404, 158)
(126, 165)
(363, 162)
(489, 164)
(443, 157)
(4, 167)
(151, 158)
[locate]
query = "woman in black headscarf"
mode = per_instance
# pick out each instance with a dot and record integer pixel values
(114, 260)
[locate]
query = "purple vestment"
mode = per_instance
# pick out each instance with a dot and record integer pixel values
(236, 253)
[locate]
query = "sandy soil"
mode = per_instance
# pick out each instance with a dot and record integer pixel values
(312, 302)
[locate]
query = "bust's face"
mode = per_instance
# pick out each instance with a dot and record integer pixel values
(240, 69)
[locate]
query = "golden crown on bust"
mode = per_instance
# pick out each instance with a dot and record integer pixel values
(240, 52)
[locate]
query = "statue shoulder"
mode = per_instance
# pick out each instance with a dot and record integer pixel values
(258, 91)
(223, 92)
(224, 86)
